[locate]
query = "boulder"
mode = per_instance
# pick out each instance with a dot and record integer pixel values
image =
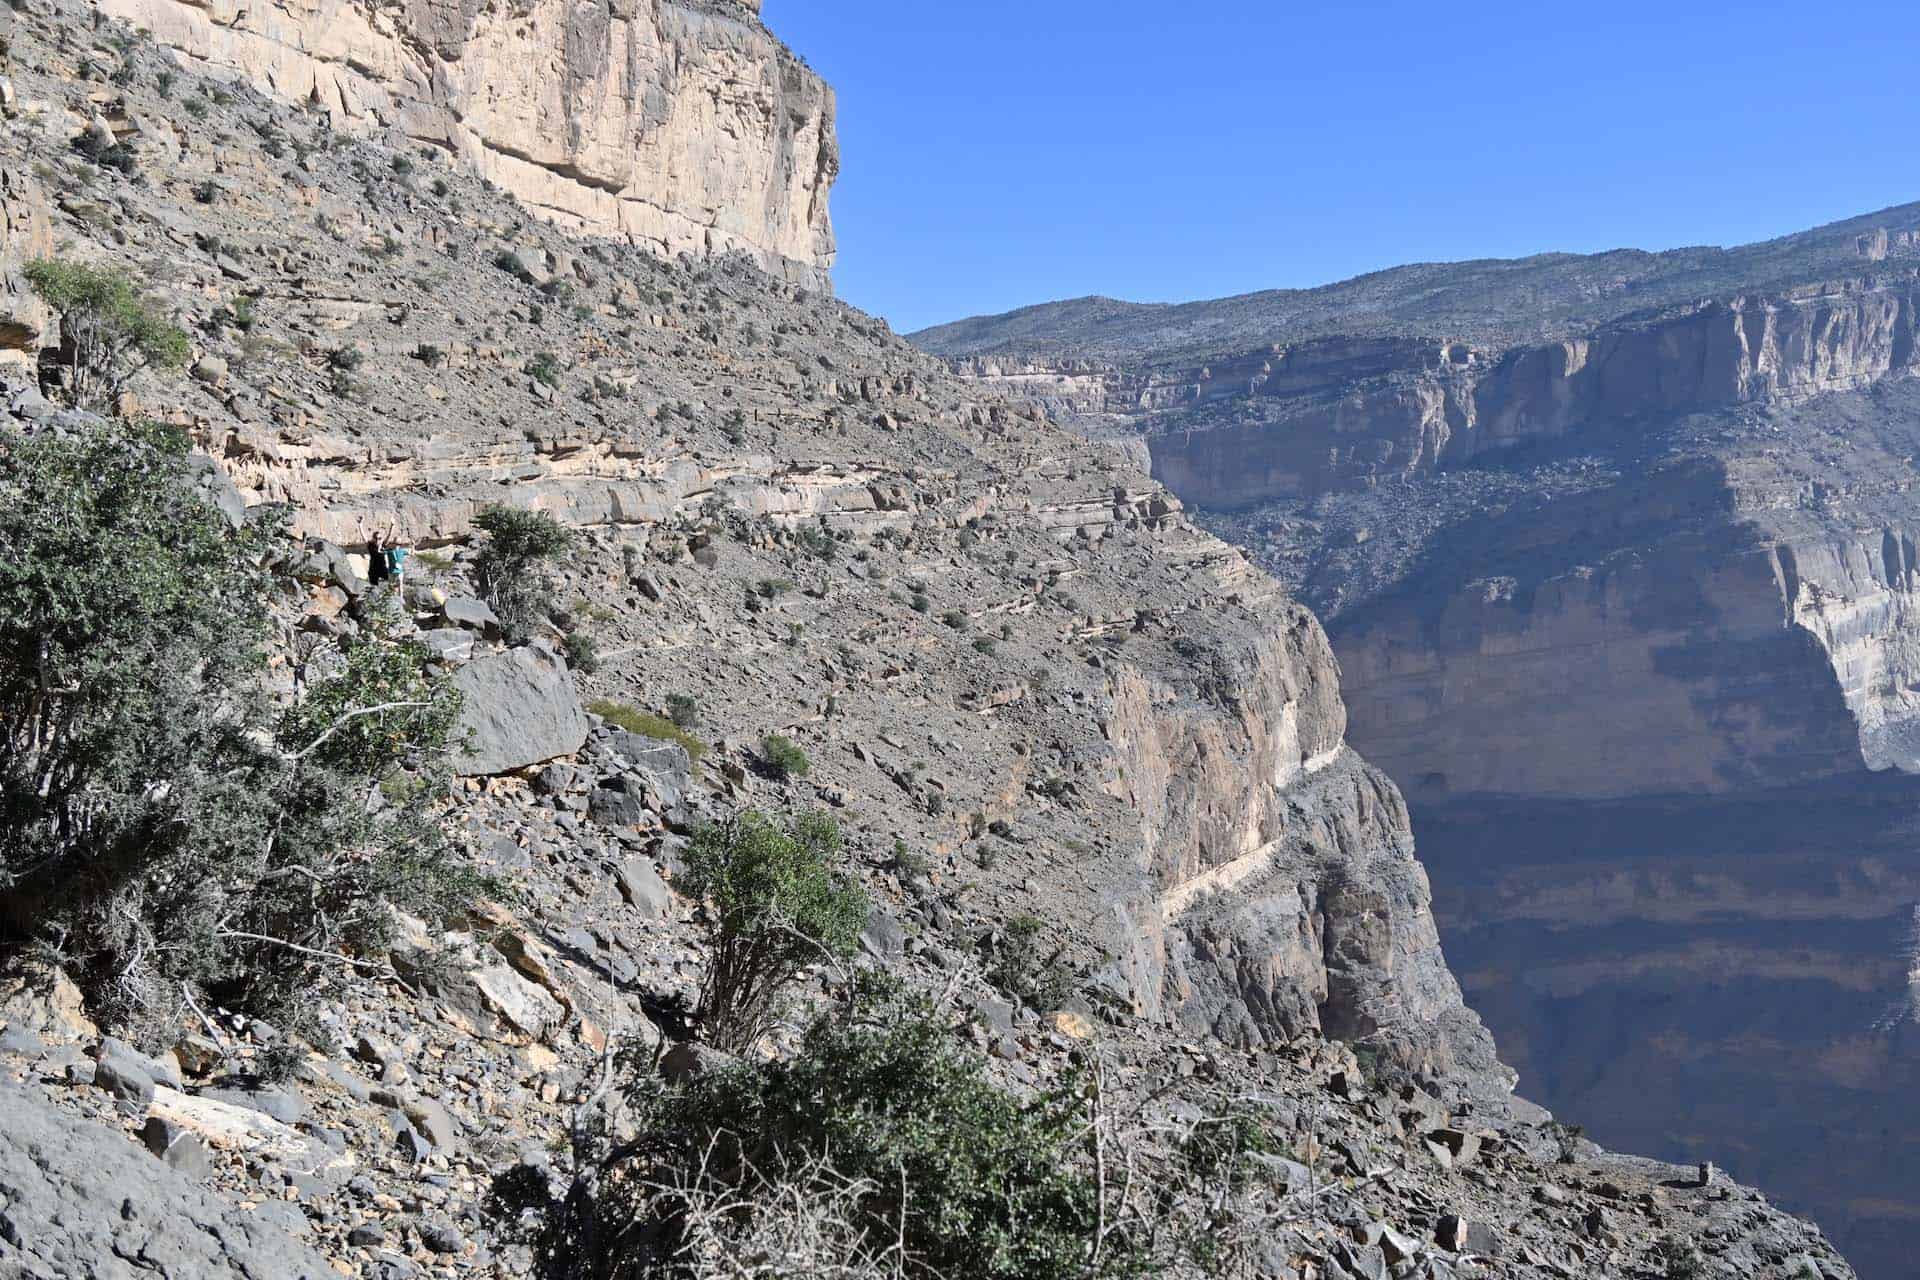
(618, 802)
(521, 710)
(287, 1108)
(79, 1198)
(226, 1127)
(885, 937)
(640, 884)
(45, 1002)
(448, 644)
(123, 1073)
(26, 233)
(177, 1146)
(477, 997)
(471, 614)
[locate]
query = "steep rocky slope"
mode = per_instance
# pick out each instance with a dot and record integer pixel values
(1001, 648)
(1628, 581)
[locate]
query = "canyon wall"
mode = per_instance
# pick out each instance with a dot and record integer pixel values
(1630, 614)
(1287, 900)
(682, 127)
(1713, 974)
(1297, 419)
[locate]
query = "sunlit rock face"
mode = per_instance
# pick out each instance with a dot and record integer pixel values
(683, 126)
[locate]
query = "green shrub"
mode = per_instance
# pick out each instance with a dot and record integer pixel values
(784, 756)
(509, 262)
(683, 710)
(544, 369)
(955, 618)
(114, 155)
(583, 652)
(429, 355)
(647, 725)
(912, 868)
(511, 569)
(1678, 1260)
(347, 358)
(162, 830)
(958, 1178)
(777, 904)
(1219, 1148)
(111, 332)
(1021, 969)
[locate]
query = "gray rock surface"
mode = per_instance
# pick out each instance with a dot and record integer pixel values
(521, 709)
(77, 1199)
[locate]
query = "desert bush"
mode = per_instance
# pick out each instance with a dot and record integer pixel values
(1020, 967)
(583, 652)
(777, 903)
(512, 568)
(1678, 1260)
(544, 368)
(881, 1147)
(683, 710)
(109, 332)
(108, 154)
(163, 829)
(509, 261)
(784, 757)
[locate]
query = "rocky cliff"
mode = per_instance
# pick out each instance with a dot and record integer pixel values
(1028, 686)
(1622, 597)
(684, 127)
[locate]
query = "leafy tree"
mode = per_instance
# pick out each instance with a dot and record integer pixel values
(777, 904)
(512, 567)
(110, 332)
(163, 829)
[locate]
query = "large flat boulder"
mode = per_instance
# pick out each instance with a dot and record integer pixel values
(521, 710)
(78, 1199)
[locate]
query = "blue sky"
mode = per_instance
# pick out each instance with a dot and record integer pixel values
(998, 154)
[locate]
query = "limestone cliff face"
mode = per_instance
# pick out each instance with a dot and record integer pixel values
(1284, 898)
(25, 234)
(686, 128)
(1294, 420)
